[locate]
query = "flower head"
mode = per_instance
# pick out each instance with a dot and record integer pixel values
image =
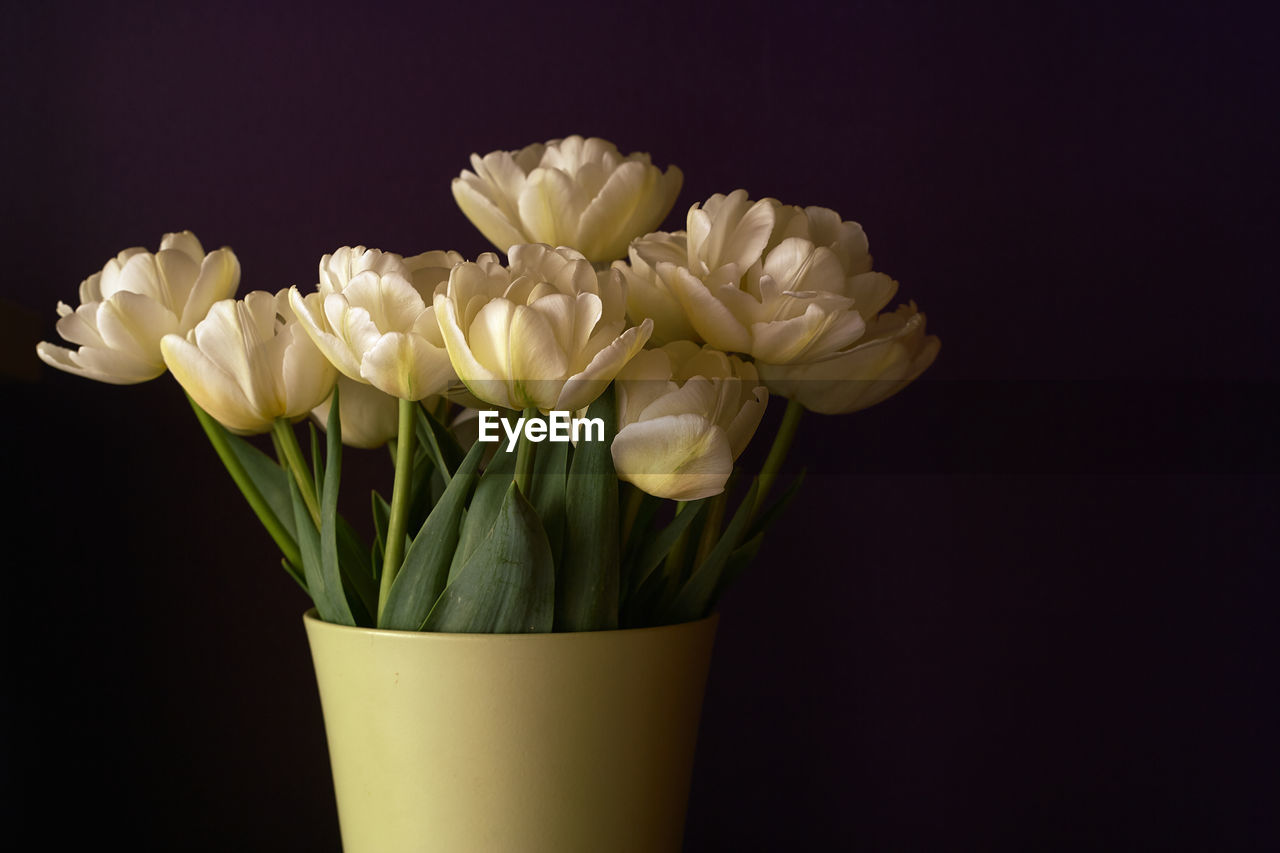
(547, 330)
(249, 362)
(581, 193)
(373, 318)
(138, 298)
(782, 284)
(685, 413)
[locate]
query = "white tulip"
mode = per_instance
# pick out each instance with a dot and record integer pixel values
(249, 362)
(545, 331)
(782, 284)
(373, 318)
(581, 193)
(138, 298)
(685, 413)
(369, 417)
(894, 352)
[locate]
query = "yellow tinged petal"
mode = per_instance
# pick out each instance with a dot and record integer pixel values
(496, 225)
(679, 457)
(213, 388)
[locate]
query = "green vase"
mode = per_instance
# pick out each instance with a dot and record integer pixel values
(512, 743)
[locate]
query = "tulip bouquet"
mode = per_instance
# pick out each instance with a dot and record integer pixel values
(564, 422)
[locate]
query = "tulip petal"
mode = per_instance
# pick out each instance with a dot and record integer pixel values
(549, 208)
(219, 278)
(307, 377)
(651, 297)
(177, 272)
(134, 324)
(797, 264)
(712, 320)
(743, 426)
(488, 217)
(537, 361)
(81, 326)
(97, 363)
(697, 396)
(311, 313)
(212, 387)
(813, 335)
(406, 366)
(679, 457)
(480, 380)
(184, 242)
(863, 376)
(870, 292)
(600, 230)
(581, 389)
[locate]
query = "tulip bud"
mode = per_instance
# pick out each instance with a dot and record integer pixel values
(685, 414)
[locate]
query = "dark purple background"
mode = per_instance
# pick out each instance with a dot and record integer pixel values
(1028, 604)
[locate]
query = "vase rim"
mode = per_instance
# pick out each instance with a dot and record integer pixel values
(311, 616)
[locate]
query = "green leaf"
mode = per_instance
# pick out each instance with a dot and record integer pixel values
(587, 579)
(329, 564)
(271, 480)
(425, 569)
(357, 573)
(697, 596)
(659, 546)
(328, 595)
(422, 499)
(438, 442)
(507, 585)
(480, 516)
(548, 488)
(294, 572)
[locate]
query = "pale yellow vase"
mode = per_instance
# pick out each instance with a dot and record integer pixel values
(511, 743)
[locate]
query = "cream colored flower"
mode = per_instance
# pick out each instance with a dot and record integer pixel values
(894, 352)
(369, 417)
(581, 193)
(685, 413)
(249, 362)
(137, 299)
(545, 331)
(426, 271)
(373, 318)
(782, 284)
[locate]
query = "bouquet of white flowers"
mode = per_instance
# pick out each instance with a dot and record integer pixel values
(564, 421)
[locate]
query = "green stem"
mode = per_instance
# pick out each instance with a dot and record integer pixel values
(711, 526)
(524, 455)
(400, 498)
(288, 444)
(781, 445)
(218, 438)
